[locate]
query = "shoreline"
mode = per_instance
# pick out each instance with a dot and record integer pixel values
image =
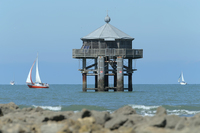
(123, 120)
(140, 109)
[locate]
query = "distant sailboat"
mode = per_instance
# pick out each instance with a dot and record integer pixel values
(38, 83)
(181, 79)
(12, 82)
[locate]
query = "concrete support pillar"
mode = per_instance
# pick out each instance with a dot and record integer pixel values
(84, 75)
(84, 88)
(101, 73)
(96, 77)
(115, 72)
(84, 63)
(115, 80)
(130, 88)
(120, 81)
(106, 72)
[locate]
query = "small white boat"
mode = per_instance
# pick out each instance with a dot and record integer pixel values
(38, 83)
(12, 82)
(181, 79)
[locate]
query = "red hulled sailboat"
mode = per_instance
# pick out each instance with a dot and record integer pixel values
(38, 83)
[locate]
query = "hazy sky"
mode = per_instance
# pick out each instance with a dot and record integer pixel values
(168, 31)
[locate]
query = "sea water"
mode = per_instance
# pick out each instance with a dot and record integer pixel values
(145, 98)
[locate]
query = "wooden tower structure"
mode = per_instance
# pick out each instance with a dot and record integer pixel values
(108, 47)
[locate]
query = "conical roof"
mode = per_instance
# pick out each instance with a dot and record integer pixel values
(107, 32)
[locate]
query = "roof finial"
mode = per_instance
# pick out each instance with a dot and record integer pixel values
(107, 18)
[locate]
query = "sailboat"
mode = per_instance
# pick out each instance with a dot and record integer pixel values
(181, 79)
(12, 82)
(38, 83)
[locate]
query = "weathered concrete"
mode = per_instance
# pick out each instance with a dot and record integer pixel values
(84, 88)
(120, 78)
(96, 77)
(106, 71)
(101, 74)
(84, 82)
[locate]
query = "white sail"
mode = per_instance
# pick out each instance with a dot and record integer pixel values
(37, 77)
(179, 79)
(29, 78)
(182, 77)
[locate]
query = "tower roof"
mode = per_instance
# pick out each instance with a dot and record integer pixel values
(108, 32)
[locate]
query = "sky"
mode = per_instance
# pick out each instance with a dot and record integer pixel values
(167, 30)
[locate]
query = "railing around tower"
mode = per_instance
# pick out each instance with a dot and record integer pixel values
(90, 53)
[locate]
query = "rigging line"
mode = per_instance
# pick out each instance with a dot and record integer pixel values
(90, 62)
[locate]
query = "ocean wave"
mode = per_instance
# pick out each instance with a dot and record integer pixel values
(143, 107)
(53, 108)
(140, 109)
(171, 110)
(144, 110)
(182, 112)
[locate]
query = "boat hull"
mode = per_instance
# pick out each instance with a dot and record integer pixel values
(183, 83)
(12, 83)
(36, 86)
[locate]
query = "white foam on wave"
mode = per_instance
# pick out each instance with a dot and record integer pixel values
(110, 111)
(182, 112)
(76, 111)
(151, 110)
(143, 107)
(144, 110)
(56, 108)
